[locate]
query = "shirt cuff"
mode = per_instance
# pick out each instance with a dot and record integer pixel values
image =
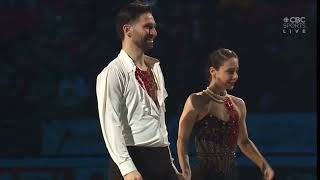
(127, 167)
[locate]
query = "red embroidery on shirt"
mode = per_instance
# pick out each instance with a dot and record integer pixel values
(146, 80)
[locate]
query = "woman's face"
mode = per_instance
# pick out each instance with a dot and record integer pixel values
(227, 75)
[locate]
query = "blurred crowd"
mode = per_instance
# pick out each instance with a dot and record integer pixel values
(52, 50)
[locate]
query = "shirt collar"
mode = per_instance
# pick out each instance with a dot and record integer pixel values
(129, 64)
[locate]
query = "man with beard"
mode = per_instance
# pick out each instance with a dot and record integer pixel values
(131, 94)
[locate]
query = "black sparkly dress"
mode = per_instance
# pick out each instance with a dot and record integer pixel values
(215, 142)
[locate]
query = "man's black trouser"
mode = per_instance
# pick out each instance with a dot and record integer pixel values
(153, 163)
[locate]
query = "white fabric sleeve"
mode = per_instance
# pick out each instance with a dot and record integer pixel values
(109, 89)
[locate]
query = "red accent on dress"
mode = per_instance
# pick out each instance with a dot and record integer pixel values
(233, 133)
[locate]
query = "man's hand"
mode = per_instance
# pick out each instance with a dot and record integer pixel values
(134, 175)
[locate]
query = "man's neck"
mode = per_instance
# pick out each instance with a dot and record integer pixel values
(136, 54)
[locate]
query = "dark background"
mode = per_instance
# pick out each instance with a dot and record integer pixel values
(52, 50)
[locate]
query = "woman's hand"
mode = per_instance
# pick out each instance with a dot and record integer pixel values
(186, 176)
(267, 172)
(180, 176)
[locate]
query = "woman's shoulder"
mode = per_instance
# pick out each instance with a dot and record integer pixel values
(237, 100)
(198, 100)
(240, 104)
(198, 96)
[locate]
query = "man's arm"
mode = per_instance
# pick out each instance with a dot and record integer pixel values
(109, 89)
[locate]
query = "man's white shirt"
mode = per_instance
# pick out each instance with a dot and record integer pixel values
(128, 115)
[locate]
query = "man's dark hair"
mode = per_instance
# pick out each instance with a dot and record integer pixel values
(130, 13)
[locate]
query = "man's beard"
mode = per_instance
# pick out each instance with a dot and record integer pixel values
(145, 45)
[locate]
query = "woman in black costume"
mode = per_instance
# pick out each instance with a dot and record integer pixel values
(217, 120)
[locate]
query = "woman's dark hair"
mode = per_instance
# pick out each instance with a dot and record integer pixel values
(217, 59)
(130, 13)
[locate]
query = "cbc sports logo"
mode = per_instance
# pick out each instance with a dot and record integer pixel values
(294, 25)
